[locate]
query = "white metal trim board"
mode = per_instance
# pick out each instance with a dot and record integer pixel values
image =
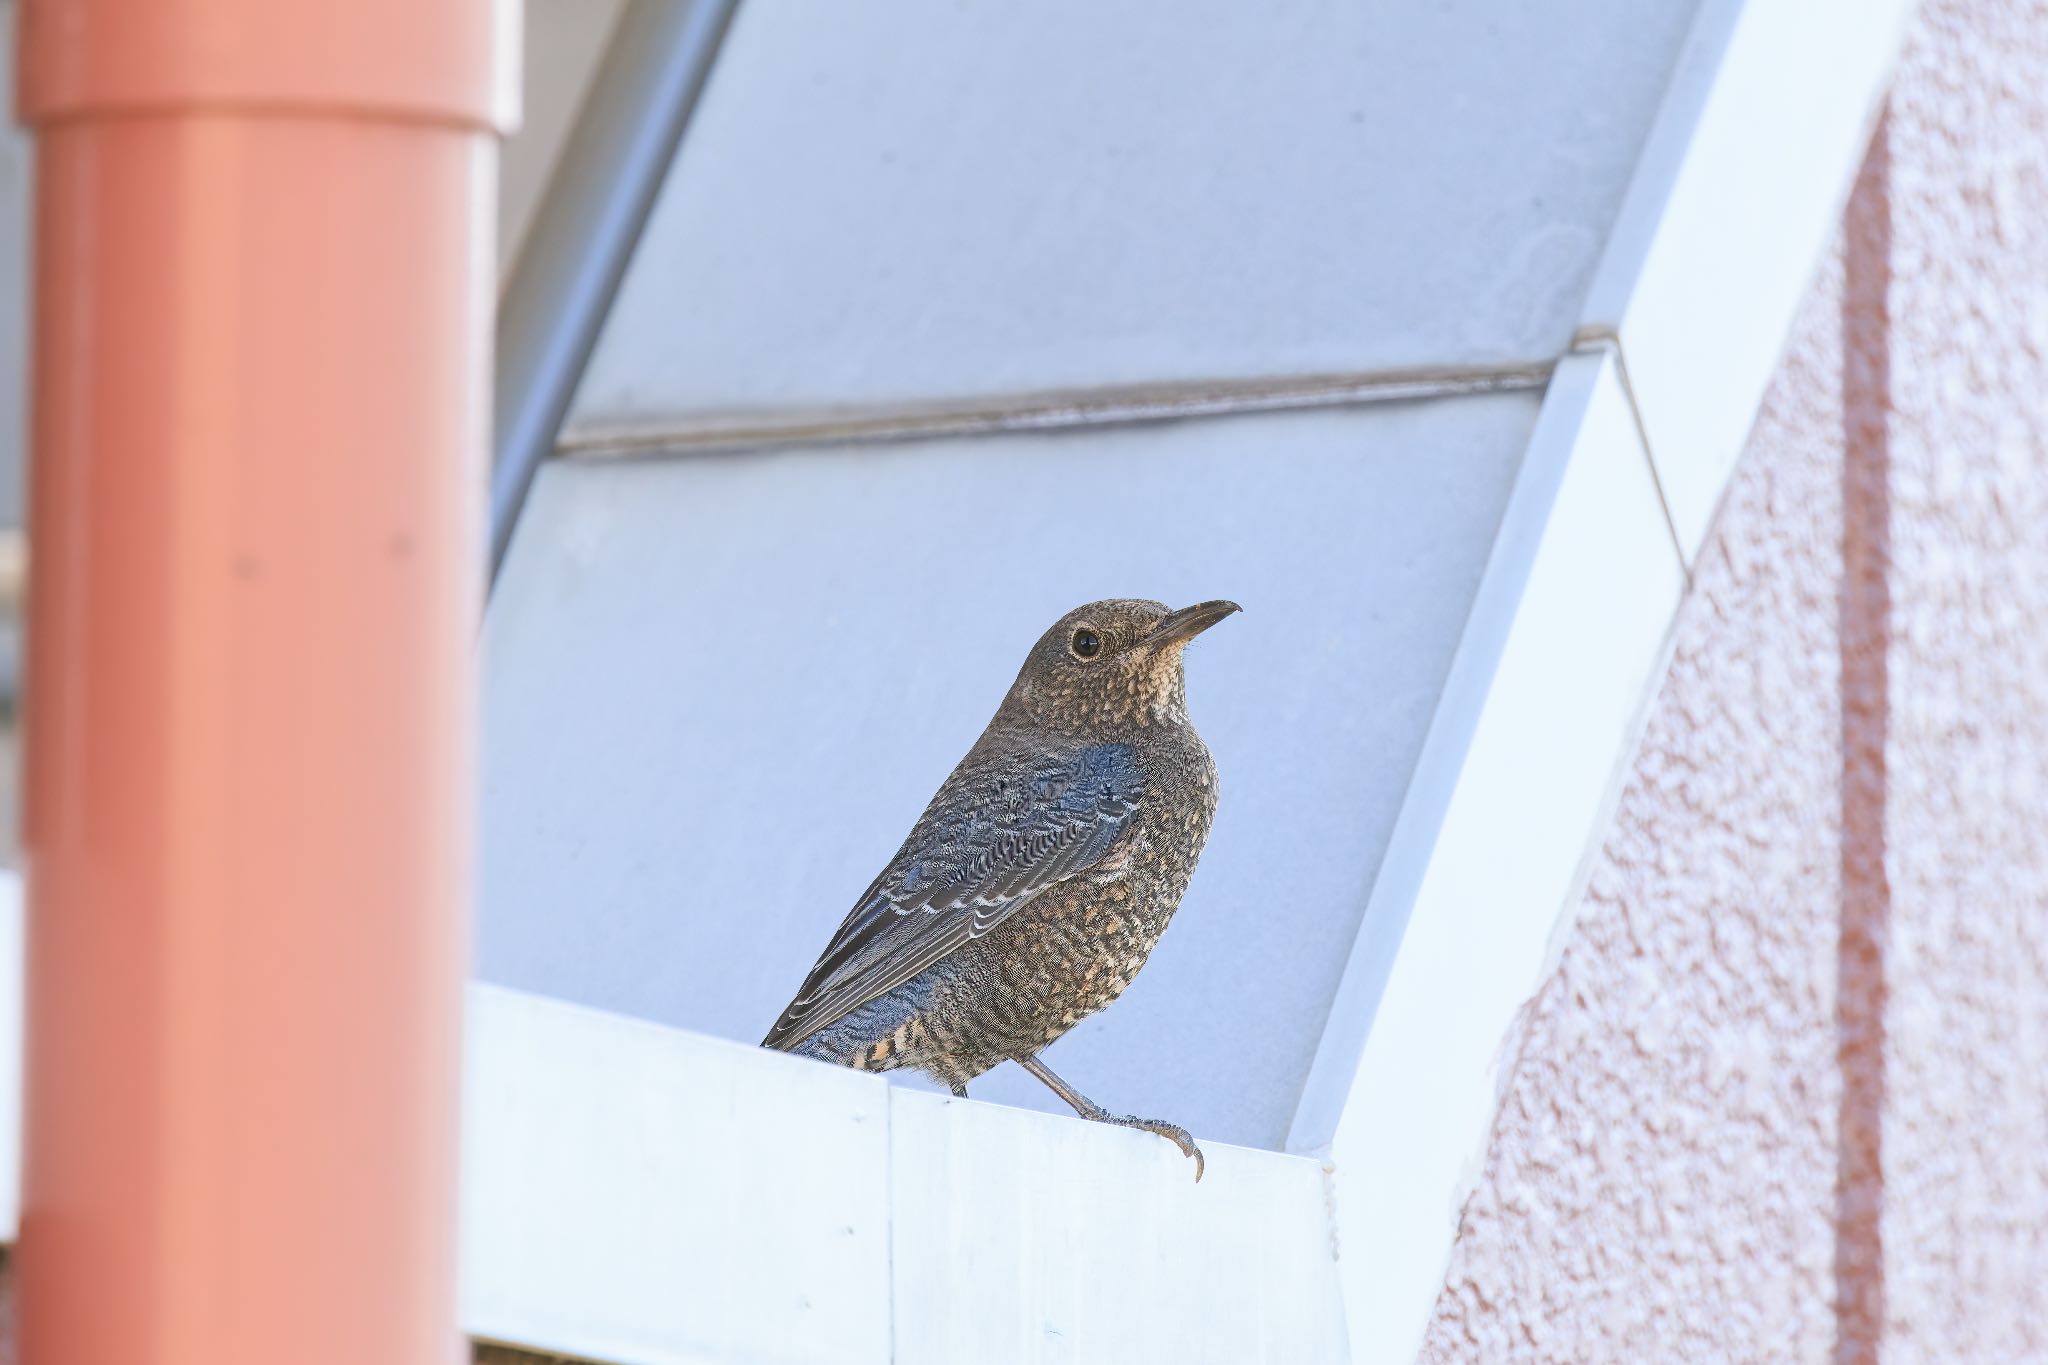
(636, 1194)
(1640, 432)
(1581, 649)
(1025, 1236)
(649, 1196)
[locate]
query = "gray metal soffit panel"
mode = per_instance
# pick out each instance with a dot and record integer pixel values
(719, 689)
(881, 206)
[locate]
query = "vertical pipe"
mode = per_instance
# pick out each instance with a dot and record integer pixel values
(588, 223)
(260, 368)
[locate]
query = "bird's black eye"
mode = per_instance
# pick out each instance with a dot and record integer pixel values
(1087, 644)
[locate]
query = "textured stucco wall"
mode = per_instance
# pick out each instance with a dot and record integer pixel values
(1966, 1131)
(1801, 1025)
(1660, 1180)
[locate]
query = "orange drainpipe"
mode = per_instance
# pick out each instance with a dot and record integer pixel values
(261, 329)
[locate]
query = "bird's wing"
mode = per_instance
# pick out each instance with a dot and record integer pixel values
(996, 836)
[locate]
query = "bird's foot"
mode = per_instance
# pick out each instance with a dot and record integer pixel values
(1172, 1132)
(1095, 1113)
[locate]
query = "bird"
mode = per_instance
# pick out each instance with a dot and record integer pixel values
(1040, 877)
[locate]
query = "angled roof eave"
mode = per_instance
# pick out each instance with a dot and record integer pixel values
(1770, 105)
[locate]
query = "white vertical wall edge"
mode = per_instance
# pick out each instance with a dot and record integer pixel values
(649, 1196)
(1565, 641)
(1739, 188)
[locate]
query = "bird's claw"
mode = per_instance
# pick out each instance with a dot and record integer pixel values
(1173, 1133)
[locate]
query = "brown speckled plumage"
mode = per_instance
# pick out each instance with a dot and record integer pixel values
(1042, 874)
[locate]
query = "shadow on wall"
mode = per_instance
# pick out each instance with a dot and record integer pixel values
(1865, 624)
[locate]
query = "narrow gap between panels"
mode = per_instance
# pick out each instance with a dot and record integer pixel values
(1109, 406)
(484, 1352)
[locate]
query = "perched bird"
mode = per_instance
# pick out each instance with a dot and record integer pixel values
(1041, 876)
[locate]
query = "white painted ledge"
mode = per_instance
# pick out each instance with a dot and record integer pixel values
(1740, 186)
(643, 1195)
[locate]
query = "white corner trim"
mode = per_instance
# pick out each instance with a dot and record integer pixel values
(644, 1195)
(1738, 191)
(1537, 720)
(1769, 109)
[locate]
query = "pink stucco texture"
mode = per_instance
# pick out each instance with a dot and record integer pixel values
(1785, 1096)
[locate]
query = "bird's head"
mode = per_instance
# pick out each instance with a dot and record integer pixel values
(1111, 663)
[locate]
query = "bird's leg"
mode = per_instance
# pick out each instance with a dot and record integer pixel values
(1095, 1113)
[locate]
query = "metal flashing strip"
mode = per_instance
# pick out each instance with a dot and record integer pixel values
(1562, 643)
(585, 229)
(1108, 406)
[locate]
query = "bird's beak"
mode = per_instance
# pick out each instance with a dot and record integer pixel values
(1177, 627)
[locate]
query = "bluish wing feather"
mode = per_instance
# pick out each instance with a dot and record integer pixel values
(996, 836)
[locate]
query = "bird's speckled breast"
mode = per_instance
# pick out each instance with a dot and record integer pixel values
(1065, 956)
